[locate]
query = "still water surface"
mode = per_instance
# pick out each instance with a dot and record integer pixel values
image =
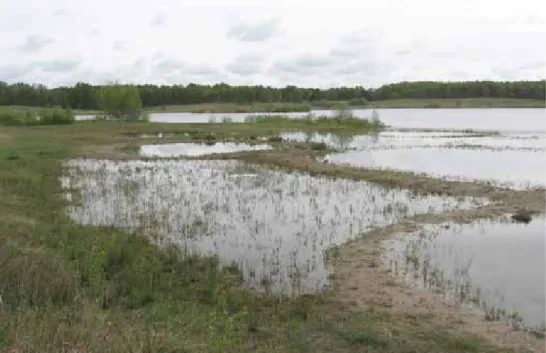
(495, 264)
(516, 120)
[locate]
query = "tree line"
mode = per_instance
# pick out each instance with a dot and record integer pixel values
(85, 96)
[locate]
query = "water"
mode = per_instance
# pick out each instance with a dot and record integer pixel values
(515, 169)
(410, 139)
(514, 120)
(273, 225)
(197, 149)
(494, 264)
(506, 159)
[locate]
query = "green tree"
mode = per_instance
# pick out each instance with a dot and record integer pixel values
(121, 102)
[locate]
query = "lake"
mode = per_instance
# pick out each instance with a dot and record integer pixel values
(515, 120)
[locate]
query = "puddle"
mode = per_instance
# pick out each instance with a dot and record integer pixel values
(509, 168)
(197, 149)
(273, 225)
(496, 265)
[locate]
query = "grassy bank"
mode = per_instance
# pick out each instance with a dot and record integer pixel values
(393, 103)
(233, 108)
(72, 288)
(306, 107)
(342, 121)
(459, 103)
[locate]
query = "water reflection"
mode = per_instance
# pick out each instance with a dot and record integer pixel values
(515, 169)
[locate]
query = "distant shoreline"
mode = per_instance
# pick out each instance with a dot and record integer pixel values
(434, 103)
(449, 103)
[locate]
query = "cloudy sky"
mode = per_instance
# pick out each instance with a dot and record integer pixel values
(301, 42)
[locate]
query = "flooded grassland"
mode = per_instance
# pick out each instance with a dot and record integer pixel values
(414, 249)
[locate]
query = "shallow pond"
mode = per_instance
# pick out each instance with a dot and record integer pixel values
(273, 225)
(197, 149)
(517, 120)
(497, 265)
(516, 169)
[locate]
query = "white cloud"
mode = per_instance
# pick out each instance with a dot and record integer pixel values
(301, 42)
(254, 31)
(159, 20)
(58, 65)
(246, 65)
(34, 43)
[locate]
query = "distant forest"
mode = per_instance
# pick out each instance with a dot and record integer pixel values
(82, 95)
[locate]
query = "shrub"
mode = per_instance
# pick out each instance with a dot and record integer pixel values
(15, 117)
(121, 102)
(56, 116)
(46, 117)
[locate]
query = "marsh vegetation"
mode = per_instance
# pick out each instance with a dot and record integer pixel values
(101, 251)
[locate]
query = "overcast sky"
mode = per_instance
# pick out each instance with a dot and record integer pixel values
(300, 42)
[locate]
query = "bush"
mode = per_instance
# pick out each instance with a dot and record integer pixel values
(56, 116)
(121, 102)
(15, 117)
(46, 117)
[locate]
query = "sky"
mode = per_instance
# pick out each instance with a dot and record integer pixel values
(311, 43)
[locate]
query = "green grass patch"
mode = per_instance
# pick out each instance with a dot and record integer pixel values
(340, 120)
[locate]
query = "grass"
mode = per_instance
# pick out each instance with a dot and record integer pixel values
(233, 108)
(342, 120)
(72, 288)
